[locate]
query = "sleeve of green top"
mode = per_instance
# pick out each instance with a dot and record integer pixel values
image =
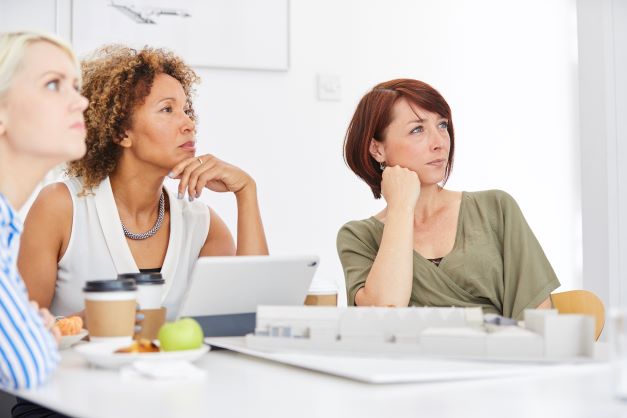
(528, 276)
(356, 257)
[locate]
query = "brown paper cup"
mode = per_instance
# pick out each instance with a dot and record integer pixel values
(321, 299)
(110, 320)
(153, 320)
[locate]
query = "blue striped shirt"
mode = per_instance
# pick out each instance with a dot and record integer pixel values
(28, 352)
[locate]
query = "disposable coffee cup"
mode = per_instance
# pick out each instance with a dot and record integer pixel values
(149, 299)
(322, 296)
(110, 310)
(149, 288)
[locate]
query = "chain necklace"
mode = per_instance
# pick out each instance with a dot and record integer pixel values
(152, 230)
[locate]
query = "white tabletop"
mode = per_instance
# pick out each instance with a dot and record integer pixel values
(240, 386)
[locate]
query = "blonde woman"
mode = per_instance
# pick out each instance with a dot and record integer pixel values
(41, 126)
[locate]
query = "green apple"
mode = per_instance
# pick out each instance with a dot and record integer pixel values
(184, 334)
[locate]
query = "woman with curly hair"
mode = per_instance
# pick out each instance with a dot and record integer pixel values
(114, 215)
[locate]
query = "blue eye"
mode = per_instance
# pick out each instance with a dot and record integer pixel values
(444, 125)
(53, 85)
(417, 129)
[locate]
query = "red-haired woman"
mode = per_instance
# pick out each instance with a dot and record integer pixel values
(431, 246)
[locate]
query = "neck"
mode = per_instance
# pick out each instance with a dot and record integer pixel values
(429, 202)
(20, 174)
(136, 188)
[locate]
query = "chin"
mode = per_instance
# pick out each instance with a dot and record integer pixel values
(77, 152)
(430, 181)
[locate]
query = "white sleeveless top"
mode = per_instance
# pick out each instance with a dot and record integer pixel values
(98, 249)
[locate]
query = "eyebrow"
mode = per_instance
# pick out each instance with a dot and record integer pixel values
(167, 98)
(59, 74)
(422, 120)
(54, 72)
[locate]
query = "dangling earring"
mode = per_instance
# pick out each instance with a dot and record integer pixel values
(382, 165)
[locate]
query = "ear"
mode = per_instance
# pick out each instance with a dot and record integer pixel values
(126, 142)
(377, 150)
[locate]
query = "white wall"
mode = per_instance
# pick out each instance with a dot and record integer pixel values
(508, 70)
(602, 27)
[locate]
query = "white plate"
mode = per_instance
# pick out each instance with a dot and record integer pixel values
(103, 355)
(68, 340)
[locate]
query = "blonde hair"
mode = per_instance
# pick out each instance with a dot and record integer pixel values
(12, 48)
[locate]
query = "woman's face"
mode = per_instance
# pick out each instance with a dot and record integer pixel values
(41, 115)
(162, 133)
(417, 140)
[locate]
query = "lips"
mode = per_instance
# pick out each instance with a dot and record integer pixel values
(189, 145)
(78, 126)
(438, 162)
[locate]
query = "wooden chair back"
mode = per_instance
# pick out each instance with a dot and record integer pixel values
(581, 302)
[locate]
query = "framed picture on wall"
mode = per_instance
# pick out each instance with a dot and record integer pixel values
(233, 34)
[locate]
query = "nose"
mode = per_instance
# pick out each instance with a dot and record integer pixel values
(79, 102)
(188, 124)
(439, 139)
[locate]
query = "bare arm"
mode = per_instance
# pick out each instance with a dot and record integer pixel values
(219, 240)
(251, 238)
(46, 233)
(209, 172)
(390, 279)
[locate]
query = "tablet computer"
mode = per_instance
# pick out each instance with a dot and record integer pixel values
(225, 291)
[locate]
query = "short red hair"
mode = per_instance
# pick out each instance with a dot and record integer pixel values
(374, 114)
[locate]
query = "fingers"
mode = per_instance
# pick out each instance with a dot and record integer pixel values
(204, 178)
(185, 174)
(180, 167)
(188, 170)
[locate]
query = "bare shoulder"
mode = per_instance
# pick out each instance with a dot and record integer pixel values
(53, 200)
(48, 225)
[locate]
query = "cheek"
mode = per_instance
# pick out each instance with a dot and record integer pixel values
(408, 151)
(36, 122)
(157, 133)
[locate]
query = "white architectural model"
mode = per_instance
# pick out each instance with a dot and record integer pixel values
(457, 332)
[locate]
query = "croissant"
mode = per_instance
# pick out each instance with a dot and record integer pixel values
(70, 326)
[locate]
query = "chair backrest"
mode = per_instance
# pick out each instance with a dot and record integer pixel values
(581, 302)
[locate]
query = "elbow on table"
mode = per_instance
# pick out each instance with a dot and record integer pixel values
(34, 377)
(363, 298)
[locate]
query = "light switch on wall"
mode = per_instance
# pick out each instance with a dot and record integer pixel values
(329, 87)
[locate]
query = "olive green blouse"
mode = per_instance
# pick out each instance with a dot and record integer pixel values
(496, 261)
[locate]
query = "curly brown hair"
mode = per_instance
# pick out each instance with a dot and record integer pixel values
(117, 79)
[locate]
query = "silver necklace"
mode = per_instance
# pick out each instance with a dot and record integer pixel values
(152, 230)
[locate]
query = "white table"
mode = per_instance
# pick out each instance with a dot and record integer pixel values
(241, 386)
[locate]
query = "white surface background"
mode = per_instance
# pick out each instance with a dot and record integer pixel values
(508, 70)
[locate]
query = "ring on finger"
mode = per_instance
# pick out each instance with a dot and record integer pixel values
(199, 160)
